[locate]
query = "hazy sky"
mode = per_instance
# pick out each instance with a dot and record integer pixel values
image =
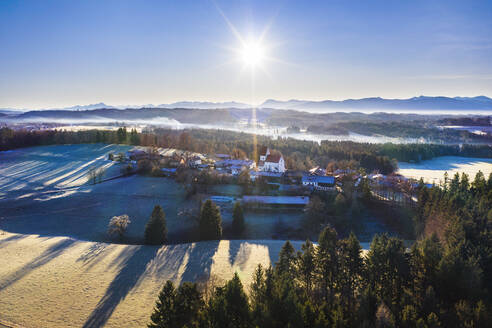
(62, 53)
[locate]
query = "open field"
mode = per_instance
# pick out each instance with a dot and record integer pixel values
(433, 170)
(64, 282)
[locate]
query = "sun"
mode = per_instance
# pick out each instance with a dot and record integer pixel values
(252, 53)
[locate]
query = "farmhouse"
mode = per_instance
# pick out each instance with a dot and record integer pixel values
(325, 183)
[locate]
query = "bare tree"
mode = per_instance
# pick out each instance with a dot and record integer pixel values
(118, 224)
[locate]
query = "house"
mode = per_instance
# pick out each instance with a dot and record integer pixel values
(317, 171)
(235, 166)
(325, 183)
(195, 161)
(270, 162)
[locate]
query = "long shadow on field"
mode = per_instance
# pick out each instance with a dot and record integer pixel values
(4, 242)
(234, 247)
(200, 261)
(133, 266)
(51, 253)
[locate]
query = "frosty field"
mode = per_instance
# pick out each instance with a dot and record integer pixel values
(64, 282)
(432, 171)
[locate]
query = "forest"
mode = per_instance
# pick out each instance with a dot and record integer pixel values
(443, 280)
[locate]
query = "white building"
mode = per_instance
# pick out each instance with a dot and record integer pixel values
(271, 162)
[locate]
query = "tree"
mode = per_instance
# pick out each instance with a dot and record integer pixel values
(316, 213)
(121, 134)
(178, 308)
(118, 225)
(286, 261)
(134, 137)
(340, 204)
(307, 266)
(229, 307)
(188, 306)
(163, 315)
(238, 224)
(326, 262)
(156, 229)
(210, 224)
(388, 270)
(350, 268)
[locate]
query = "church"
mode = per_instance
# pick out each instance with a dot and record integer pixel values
(270, 162)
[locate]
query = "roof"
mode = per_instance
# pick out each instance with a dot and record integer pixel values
(290, 200)
(234, 162)
(273, 158)
(266, 174)
(319, 179)
(263, 150)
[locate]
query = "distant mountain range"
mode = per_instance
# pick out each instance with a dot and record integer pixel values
(373, 104)
(381, 104)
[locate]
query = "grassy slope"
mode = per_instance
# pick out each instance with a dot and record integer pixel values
(60, 282)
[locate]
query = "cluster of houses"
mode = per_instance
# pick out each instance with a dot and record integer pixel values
(270, 166)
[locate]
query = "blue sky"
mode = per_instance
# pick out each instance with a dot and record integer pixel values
(62, 53)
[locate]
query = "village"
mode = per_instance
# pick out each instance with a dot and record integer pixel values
(279, 186)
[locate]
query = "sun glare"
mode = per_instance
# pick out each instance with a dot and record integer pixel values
(252, 54)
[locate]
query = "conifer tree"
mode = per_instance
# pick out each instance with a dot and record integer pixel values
(210, 221)
(238, 224)
(156, 229)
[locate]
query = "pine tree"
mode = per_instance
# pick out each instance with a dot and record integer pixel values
(350, 268)
(238, 224)
(229, 307)
(286, 261)
(155, 229)
(163, 315)
(307, 266)
(210, 221)
(326, 262)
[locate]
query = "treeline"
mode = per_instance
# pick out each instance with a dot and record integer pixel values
(416, 129)
(460, 214)
(333, 284)
(467, 121)
(298, 154)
